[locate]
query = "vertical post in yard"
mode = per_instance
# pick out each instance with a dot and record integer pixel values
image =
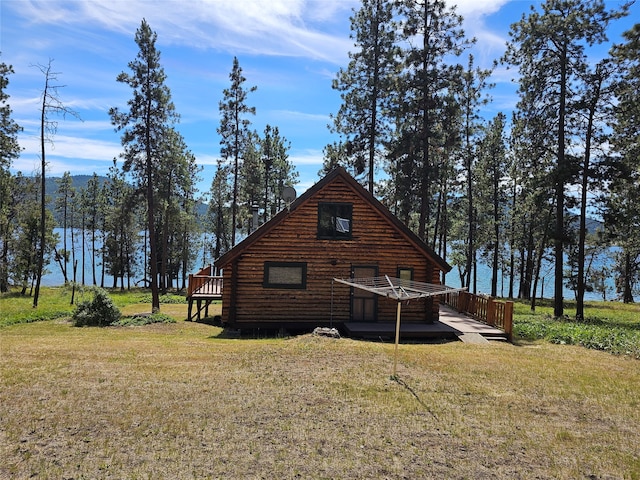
(395, 355)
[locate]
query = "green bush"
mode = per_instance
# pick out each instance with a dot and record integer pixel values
(99, 312)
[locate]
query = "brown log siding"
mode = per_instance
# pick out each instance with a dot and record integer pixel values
(375, 241)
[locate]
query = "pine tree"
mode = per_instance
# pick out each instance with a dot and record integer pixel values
(279, 171)
(219, 210)
(121, 237)
(51, 106)
(9, 150)
(366, 85)
(596, 96)
(151, 112)
(471, 97)
(433, 36)
(234, 130)
(62, 206)
(622, 205)
(491, 170)
(548, 47)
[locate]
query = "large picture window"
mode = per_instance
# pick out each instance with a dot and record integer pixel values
(285, 275)
(335, 221)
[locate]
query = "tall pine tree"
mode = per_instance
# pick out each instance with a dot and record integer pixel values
(234, 130)
(9, 150)
(622, 207)
(548, 47)
(150, 113)
(366, 86)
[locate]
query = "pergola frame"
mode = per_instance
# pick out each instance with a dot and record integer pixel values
(401, 290)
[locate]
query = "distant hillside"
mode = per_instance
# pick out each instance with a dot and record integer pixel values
(51, 187)
(78, 182)
(592, 224)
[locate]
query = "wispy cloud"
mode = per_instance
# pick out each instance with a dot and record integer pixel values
(293, 115)
(71, 147)
(307, 158)
(276, 28)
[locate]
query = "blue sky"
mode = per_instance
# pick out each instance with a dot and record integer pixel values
(290, 49)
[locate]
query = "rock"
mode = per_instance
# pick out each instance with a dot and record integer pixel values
(326, 332)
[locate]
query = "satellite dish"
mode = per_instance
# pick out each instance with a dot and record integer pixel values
(288, 194)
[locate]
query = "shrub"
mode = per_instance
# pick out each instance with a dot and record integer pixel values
(99, 312)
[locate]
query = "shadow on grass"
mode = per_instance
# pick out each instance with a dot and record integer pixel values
(407, 387)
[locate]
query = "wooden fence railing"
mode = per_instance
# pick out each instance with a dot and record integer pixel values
(493, 312)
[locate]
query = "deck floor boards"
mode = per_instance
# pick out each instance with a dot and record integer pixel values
(450, 325)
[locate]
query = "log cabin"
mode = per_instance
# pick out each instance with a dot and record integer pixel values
(281, 275)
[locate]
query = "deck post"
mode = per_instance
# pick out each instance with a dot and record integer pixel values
(508, 320)
(491, 311)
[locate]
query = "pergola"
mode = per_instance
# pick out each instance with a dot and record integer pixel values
(401, 290)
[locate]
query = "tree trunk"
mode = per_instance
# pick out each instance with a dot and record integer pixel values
(43, 210)
(561, 169)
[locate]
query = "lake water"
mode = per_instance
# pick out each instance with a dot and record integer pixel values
(545, 285)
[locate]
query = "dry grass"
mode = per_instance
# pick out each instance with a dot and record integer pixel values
(175, 401)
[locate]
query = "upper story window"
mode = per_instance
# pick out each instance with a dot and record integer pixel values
(335, 221)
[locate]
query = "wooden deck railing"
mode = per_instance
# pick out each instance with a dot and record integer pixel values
(203, 288)
(493, 312)
(205, 283)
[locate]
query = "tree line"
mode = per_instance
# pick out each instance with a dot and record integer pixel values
(516, 189)
(143, 220)
(512, 191)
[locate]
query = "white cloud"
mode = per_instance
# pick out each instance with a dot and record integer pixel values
(307, 158)
(298, 116)
(71, 147)
(206, 159)
(277, 27)
(476, 8)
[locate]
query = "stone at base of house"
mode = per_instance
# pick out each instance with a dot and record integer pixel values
(326, 332)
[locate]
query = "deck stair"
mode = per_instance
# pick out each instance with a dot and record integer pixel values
(204, 287)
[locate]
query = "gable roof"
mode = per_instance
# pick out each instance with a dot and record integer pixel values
(336, 173)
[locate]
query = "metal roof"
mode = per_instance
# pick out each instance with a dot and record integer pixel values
(398, 288)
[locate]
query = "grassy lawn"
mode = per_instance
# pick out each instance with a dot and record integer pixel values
(180, 401)
(55, 302)
(608, 326)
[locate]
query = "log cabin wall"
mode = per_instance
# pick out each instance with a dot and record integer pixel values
(375, 241)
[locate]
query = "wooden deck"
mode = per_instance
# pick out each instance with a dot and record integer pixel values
(203, 288)
(451, 325)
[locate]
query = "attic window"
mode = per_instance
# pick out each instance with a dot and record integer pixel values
(335, 221)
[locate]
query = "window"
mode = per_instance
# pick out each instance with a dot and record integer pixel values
(405, 273)
(285, 275)
(334, 221)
